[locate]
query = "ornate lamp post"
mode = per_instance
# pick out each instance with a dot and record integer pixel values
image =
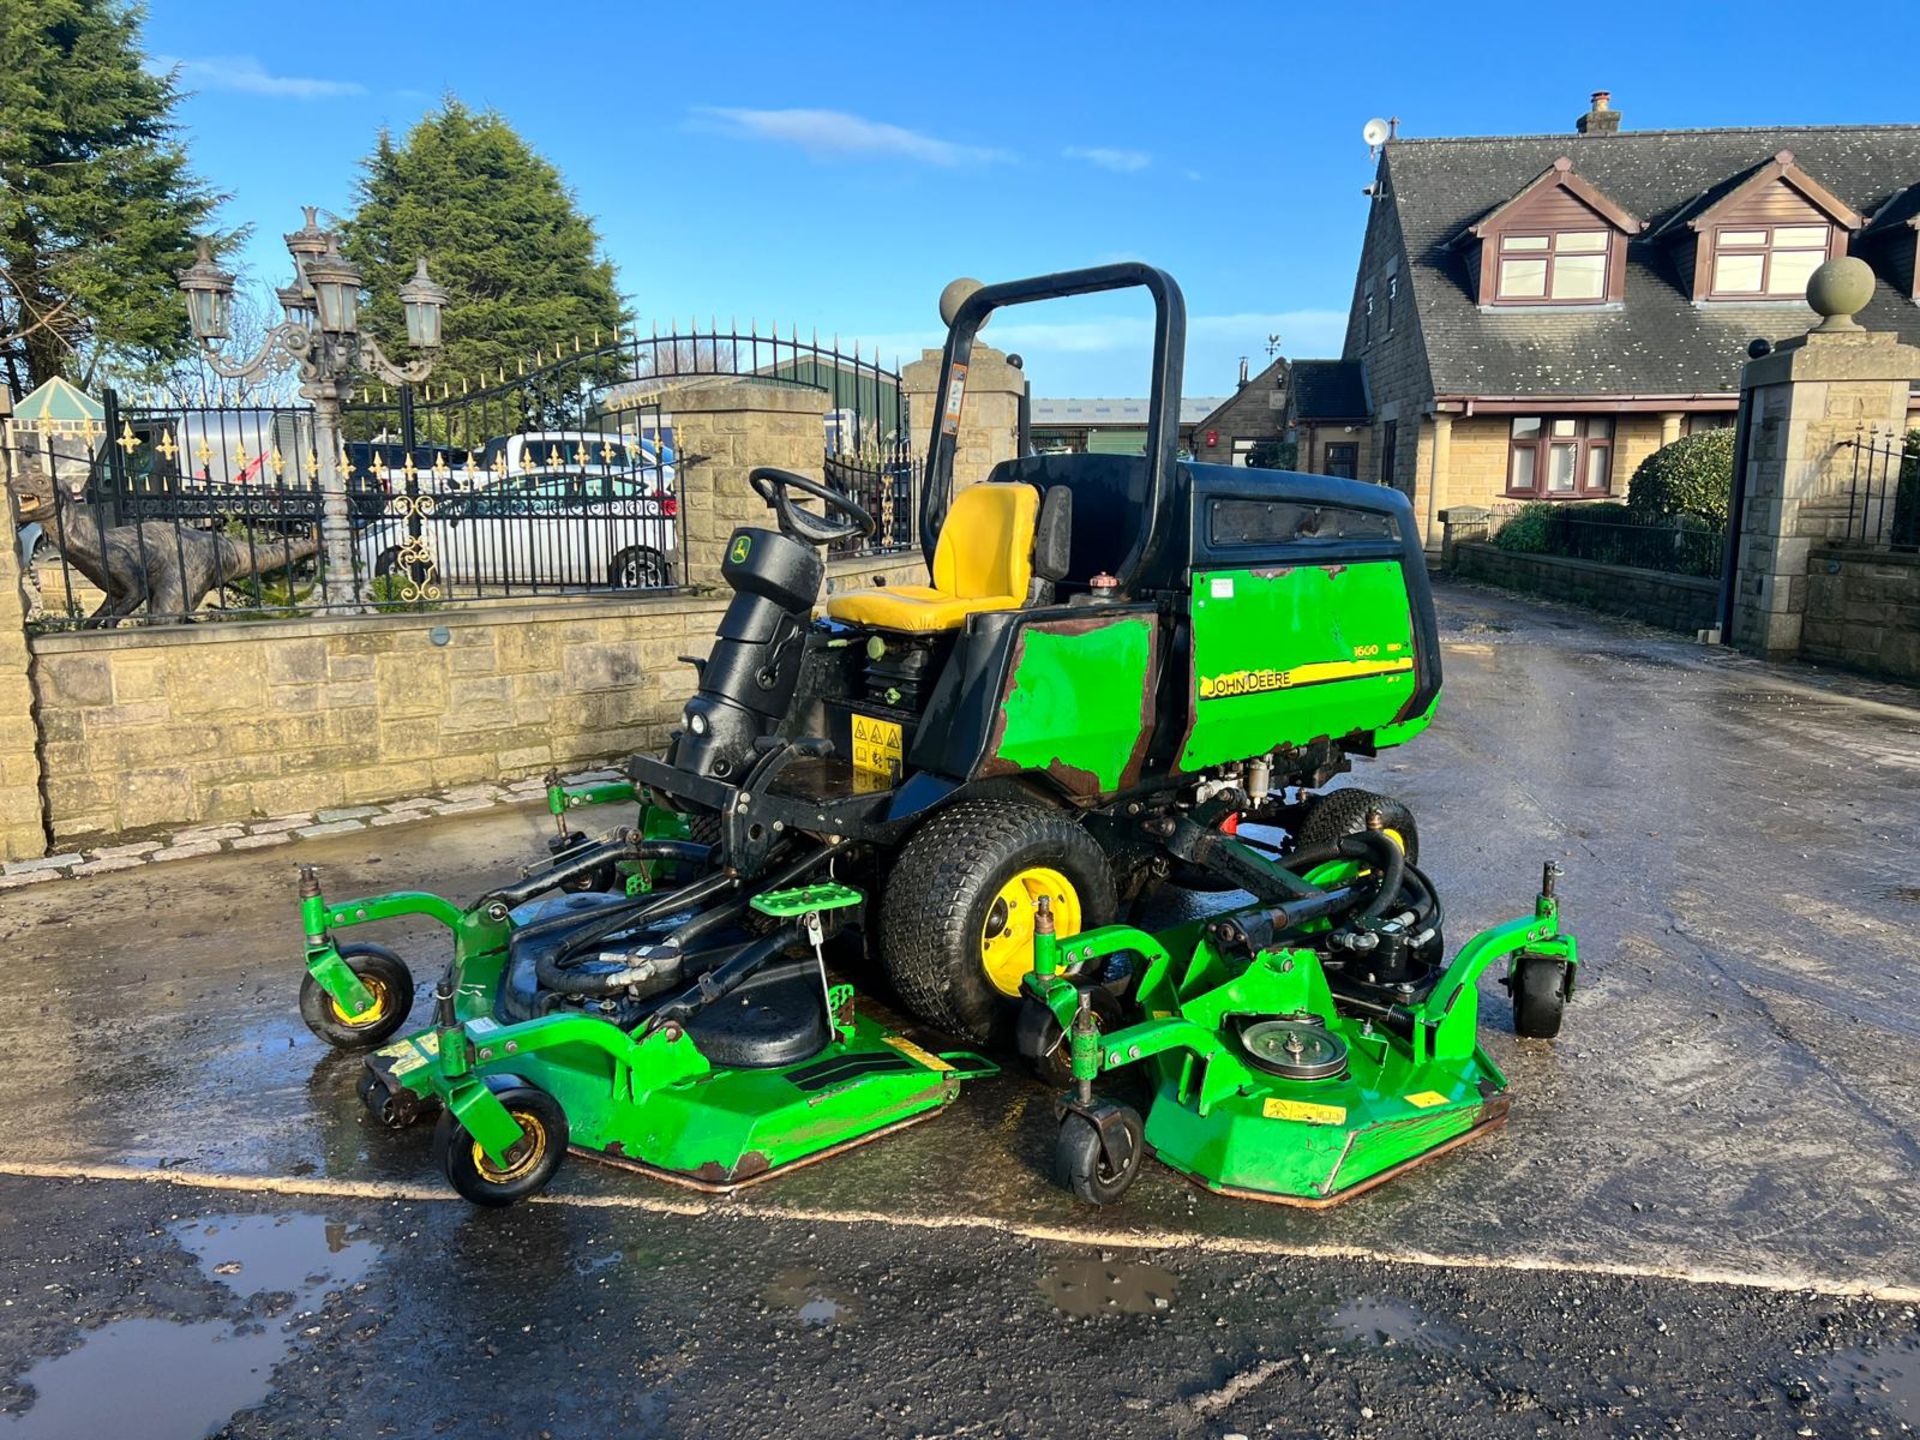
(321, 336)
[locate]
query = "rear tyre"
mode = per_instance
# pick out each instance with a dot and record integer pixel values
(1344, 812)
(639, 567)
(529, 1165)
(1084, 1165)
(386, 975)
(1539, 989)
(956, 919)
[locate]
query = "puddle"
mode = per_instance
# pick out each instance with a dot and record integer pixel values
(183, 1379)
(1910, 894)
(812, 1301)
(1385, 1320)
(1098, 1287)
(1887, 1379)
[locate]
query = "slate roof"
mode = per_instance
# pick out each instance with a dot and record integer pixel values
(1658, 342)
(1903, 209)
(1330, 390)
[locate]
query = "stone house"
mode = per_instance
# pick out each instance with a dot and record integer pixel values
(1254, 414)
(1534, 315)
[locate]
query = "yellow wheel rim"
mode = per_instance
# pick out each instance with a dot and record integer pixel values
(522, 1159)
(1396, 837)
(368, 1016)
(1006, 939)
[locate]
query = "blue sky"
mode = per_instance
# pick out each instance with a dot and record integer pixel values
(834, 165)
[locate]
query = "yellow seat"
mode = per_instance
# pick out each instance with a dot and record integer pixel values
(983, 561)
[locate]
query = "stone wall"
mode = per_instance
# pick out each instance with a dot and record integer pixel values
(1863, 611)
(183, 724)
(1686, 603)
(22, 826)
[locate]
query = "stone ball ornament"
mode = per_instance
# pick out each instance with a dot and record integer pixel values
(1839, 290)
(954, 296)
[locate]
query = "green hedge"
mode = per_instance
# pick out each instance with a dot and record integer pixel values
(1692, 476)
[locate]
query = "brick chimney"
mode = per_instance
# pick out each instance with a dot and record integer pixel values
(1602, 119)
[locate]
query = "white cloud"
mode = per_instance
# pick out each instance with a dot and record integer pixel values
(827, 133)
(245, 75)
(1121, 162)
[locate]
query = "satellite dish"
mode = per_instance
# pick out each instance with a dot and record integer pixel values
(1375, 132)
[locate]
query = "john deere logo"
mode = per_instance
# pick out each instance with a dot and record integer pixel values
(741, 545)
(1243, 682)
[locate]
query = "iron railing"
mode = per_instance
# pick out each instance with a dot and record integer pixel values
(562, 478)
(1883, 489)
(1675, 545)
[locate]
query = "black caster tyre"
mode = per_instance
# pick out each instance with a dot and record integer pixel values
(382, 972)
(956, 919)
(530, 1164)
(1539, 989)
(1344, 812)
(390, 1111)
(1041, 1042)
(1081, 1163)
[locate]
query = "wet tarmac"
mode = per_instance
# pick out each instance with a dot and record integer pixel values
(1731, 1101)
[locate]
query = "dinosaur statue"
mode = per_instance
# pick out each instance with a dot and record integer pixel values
(169, 567)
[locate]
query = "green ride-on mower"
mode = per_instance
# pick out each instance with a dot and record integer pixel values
(1119, 663)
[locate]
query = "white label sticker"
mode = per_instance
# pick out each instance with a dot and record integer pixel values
(1223, 587)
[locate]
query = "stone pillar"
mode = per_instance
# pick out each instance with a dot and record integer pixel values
(734, 424)
(1670, 426)
(23, 834)
(1437, 463)
(1809, 396)
(989, 419)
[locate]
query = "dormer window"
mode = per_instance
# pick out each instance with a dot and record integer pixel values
(1566, 267)
(1560, 241)
(1767, 260)
(1761, 235)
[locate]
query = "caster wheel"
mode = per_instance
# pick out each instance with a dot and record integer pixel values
(1087, 1167)
(529, 1165)
(386, 975)
(390, 1111)
(1044, 1045)
(1539, 988)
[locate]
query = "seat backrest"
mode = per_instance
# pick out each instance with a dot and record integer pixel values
(986, 543)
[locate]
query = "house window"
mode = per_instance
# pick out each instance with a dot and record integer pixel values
(1772, 260)
(1567, 267)
(1389, 444)
(1343, 459)
(1366, 320)
(1560, 457)
(1393, 293)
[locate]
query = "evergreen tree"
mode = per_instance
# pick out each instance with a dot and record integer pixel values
(97, 204)
(498, 228)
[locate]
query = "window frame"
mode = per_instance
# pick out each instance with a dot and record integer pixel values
(1351, 456)
(1366, 319)
(1542, 445)
(1393, 294)
(1766, 253)
(1549, 254)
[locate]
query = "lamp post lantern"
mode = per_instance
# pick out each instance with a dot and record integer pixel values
(321, 336)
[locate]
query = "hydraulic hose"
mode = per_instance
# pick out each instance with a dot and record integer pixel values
(592, 857)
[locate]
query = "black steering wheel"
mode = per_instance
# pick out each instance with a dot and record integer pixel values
(803, 525)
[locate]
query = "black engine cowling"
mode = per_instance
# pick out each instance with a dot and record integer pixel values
(747, 683)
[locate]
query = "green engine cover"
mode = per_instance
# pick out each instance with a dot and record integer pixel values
(1284, 656)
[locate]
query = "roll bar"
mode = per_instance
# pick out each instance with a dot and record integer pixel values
(1163, 409)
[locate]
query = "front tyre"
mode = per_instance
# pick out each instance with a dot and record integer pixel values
(529, 1165)
(956, 920)
(386, 977)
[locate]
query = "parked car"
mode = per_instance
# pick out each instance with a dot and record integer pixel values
(558, 530)
(575, 452)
